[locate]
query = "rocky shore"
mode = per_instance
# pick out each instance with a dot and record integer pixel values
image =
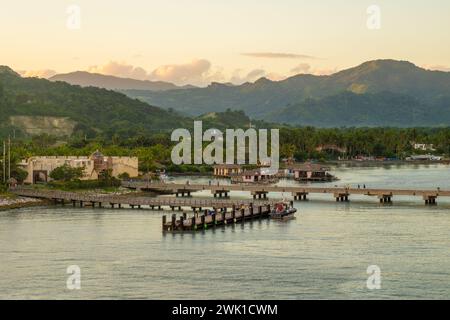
(11, 202)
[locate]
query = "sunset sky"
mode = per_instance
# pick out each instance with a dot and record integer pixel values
(199, 41)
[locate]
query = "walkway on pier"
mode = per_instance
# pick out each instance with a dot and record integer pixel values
(205, 221)
(298, 192)
(87, 199)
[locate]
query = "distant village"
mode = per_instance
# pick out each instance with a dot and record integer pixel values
(39, 168)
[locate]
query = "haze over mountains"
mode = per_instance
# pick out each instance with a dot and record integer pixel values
(86, 79)
(375, 93)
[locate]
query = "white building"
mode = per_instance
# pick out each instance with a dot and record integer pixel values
(424, 147)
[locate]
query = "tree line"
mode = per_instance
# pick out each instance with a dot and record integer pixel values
(302, 144)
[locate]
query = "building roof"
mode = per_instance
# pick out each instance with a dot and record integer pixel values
(227, 166)
(312, 167)
(97, 154)
(254, 172)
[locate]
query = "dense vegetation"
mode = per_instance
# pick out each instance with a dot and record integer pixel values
(96, 111)
(301, 143)
(68, 178)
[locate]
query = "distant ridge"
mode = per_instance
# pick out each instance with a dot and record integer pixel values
(87, 79)
(375, 93)
(33, 105)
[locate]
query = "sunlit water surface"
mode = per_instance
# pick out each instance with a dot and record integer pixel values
(324, 253)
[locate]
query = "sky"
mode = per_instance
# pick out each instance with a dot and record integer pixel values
(204, 41)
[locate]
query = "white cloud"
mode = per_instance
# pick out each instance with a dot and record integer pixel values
(437, 68)
(45, 73)
(238, 78)
(305, 68)
(120, 69)
(301, 68)
(196, 71)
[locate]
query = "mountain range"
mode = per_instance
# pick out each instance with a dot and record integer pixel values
(375, 93)
(87, 79)
(32, 106)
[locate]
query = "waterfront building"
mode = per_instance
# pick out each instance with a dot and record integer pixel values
(226, 170)
(424, 157)
(259, 175)
(312, 172)
(40, 167)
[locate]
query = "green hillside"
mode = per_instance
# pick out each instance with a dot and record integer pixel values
(28, 102)
(396, 88)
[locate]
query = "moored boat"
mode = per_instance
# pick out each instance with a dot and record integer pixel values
(283, 211)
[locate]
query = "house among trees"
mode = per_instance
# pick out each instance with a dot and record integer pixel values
(39, 168)
(226, 170)
(311, 172)
(423, 147)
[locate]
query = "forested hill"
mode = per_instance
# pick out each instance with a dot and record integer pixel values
(36, 105)
(375, 93)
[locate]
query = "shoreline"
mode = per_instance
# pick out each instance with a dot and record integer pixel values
(8, 203)
(374, 163)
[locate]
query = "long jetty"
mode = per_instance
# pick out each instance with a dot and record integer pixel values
(259, 191)
(215, 219)
(140, 202)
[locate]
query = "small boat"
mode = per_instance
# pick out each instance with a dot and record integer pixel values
(283, 212)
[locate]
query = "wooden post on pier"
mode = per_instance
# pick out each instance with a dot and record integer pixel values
(182, 223)
(193, 223)
(213, 216)
(164, 221)
(242, 214)
(174, 220)
(203, 217)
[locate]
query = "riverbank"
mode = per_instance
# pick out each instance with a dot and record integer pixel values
(9, 201)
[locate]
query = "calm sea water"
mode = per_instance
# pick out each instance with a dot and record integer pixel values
(323, 254)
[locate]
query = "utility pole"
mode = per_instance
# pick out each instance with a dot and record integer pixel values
(9, 157)
(4, 161)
